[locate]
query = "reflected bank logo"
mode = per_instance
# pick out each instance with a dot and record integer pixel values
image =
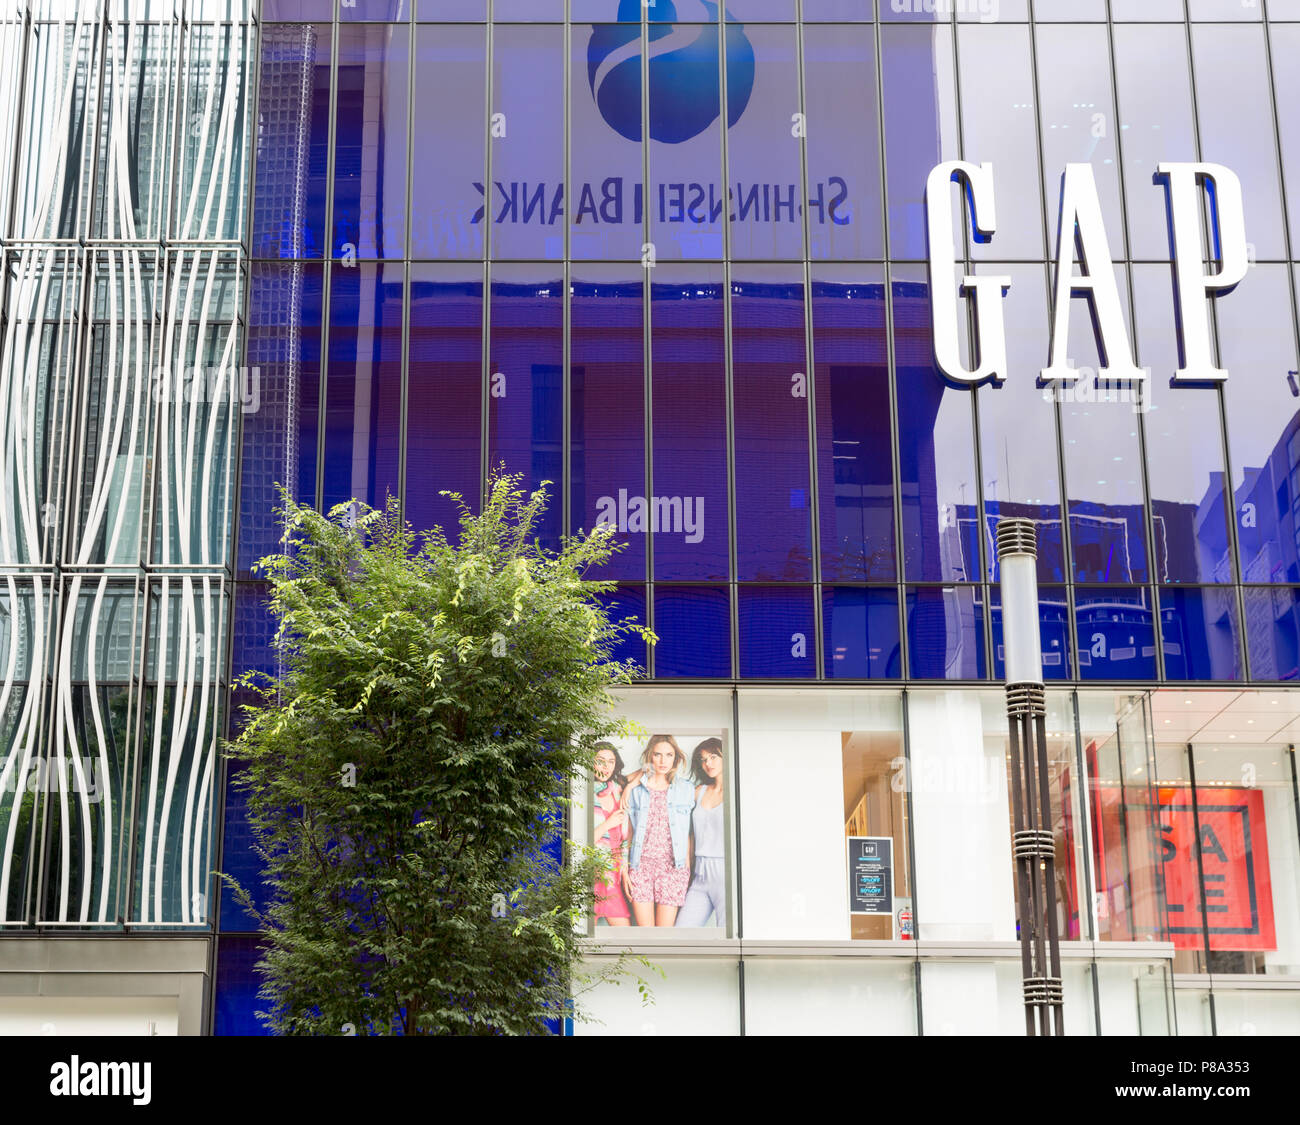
(684, 70)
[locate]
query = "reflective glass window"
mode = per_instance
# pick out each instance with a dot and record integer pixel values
(434, 10)
(1224, 9)
(920, 127)
(1273, 632)
(1200, 633)
(605, 211)
(1018, 427)
(693, 624)
(998, 127)
(627, 604)
(688, 351)
(770, 402)
(1054, 632)
(447, 177)
(937, 457)
(1285, 39)
(685, 150)
(855, 471)
(363, 396)
(279, 436)
(1076, 117)
(551, 11)
(1157, 123)
(1231, 89)
(1190, 507)
(945, 633)
(1257, 347)
(1147, 10)
(1115, 633)
(370, 202)
(527, 155)
(1069, 10)
(832, 11)
(236, 988)
(444, 394)
(291, 179)
(764, 157)
(298, 10)
(526, 384)
(777, 633)
(607, 422)
(843, 143)
(860, 633)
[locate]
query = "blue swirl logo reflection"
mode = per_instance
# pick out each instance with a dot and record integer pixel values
(685, 76)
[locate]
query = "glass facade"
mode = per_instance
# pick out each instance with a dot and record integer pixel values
(672, 257)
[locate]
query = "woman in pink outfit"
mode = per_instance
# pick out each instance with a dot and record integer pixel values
(610, 817)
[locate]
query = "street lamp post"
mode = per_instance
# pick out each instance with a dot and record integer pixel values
(1032, 843)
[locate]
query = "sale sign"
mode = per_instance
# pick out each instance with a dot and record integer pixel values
(1148, 873)
(1238, 901)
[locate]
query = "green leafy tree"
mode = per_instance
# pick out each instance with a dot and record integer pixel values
(407, 773)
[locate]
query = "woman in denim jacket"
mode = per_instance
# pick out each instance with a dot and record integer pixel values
(658, 799)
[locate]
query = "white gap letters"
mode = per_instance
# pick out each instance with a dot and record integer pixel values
(1081, 237)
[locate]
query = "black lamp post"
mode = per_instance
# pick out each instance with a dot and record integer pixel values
(1033, 847)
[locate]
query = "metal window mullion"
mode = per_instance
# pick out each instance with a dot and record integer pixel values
(895, 436)
(404, 409)
(485, 400)
(814, 492)
(729, 359)
(647, 326)
(566, 285)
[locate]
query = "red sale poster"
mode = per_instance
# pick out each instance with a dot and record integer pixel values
(1142, 849)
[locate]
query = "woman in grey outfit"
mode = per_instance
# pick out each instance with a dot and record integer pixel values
(708, 890)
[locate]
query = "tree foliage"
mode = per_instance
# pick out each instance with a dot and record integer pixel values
(407, 773)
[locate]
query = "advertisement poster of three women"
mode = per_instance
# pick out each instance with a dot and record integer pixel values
(658, 810)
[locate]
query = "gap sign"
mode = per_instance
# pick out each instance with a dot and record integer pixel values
(1080, 231)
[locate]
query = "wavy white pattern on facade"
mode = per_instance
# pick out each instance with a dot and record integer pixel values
(125, 139)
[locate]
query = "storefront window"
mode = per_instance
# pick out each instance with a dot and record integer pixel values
(830, 767)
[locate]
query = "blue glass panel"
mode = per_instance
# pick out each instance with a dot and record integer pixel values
(450, 10)
(1199, 631)
(608, 11)
(239, 861)
(1053, 629)
(1115, 634)
(236, 988)
(998, 127)
(936, 453)
(527, 193)
(297, 10)
(279, 438)
(1076, 117)
(1285, 38)
(687, 189)
(914, 11)
(292, 181)
(1257, 347)
(693, 624)
(253, 633)
(526, 385)
(444, 394)
(832, 11)
(363, 397)
(777, 632)
(855, 472)
(1018, 427)
(447, 177)
(945, 633)
(605, 167)
(373, 10)
(1273, 633)
(769, 392)
(860, 633)
(1189, 494)
(690, 416)
(1157, 123)
(538, 11)
(843, 144)
(1231, 87)
(370, 142)
(764, 158)
(920, 127)
(759, 10)
(607, 421)
(627, 602)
